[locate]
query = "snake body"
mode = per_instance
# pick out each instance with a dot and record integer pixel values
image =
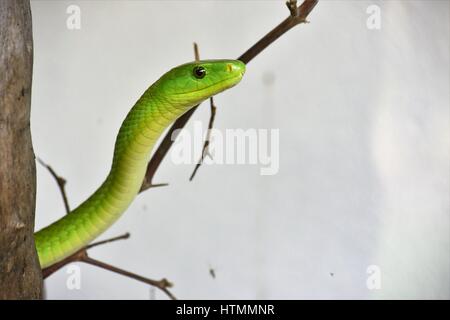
(161, 104)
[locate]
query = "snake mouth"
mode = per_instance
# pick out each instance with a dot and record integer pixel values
(234, 80)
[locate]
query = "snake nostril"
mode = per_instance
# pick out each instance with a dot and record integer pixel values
(229, 67)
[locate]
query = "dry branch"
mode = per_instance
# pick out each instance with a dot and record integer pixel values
(205, 149)
(60, 181)
(298, 16)
(81, 256)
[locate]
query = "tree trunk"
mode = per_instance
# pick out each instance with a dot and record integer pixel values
(20, 273)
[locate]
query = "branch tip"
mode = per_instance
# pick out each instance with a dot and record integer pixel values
(205, 150)
(292, 6)
(60, 181)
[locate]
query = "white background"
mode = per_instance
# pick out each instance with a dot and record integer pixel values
(364, 148)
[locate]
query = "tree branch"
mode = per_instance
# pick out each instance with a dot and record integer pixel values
(302, 13)
(82, 256)
(287, 24)
(162, 284)
(205, 150)
(60, 181)
(99, 243)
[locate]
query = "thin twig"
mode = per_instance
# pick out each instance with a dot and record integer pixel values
(82, 256)
(99, 243)
(302, 12)
(196, 52)
(205, 150)
(60, 181)
(287, 24)
(162, 284)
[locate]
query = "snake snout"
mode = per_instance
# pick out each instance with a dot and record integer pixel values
(236, 67)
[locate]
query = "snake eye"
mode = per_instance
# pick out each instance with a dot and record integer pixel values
(199, 72)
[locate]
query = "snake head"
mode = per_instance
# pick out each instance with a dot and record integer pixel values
(191, 83)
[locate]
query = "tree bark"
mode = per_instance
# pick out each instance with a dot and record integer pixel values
(20, 273)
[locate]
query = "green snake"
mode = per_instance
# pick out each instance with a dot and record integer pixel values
(162, 103)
